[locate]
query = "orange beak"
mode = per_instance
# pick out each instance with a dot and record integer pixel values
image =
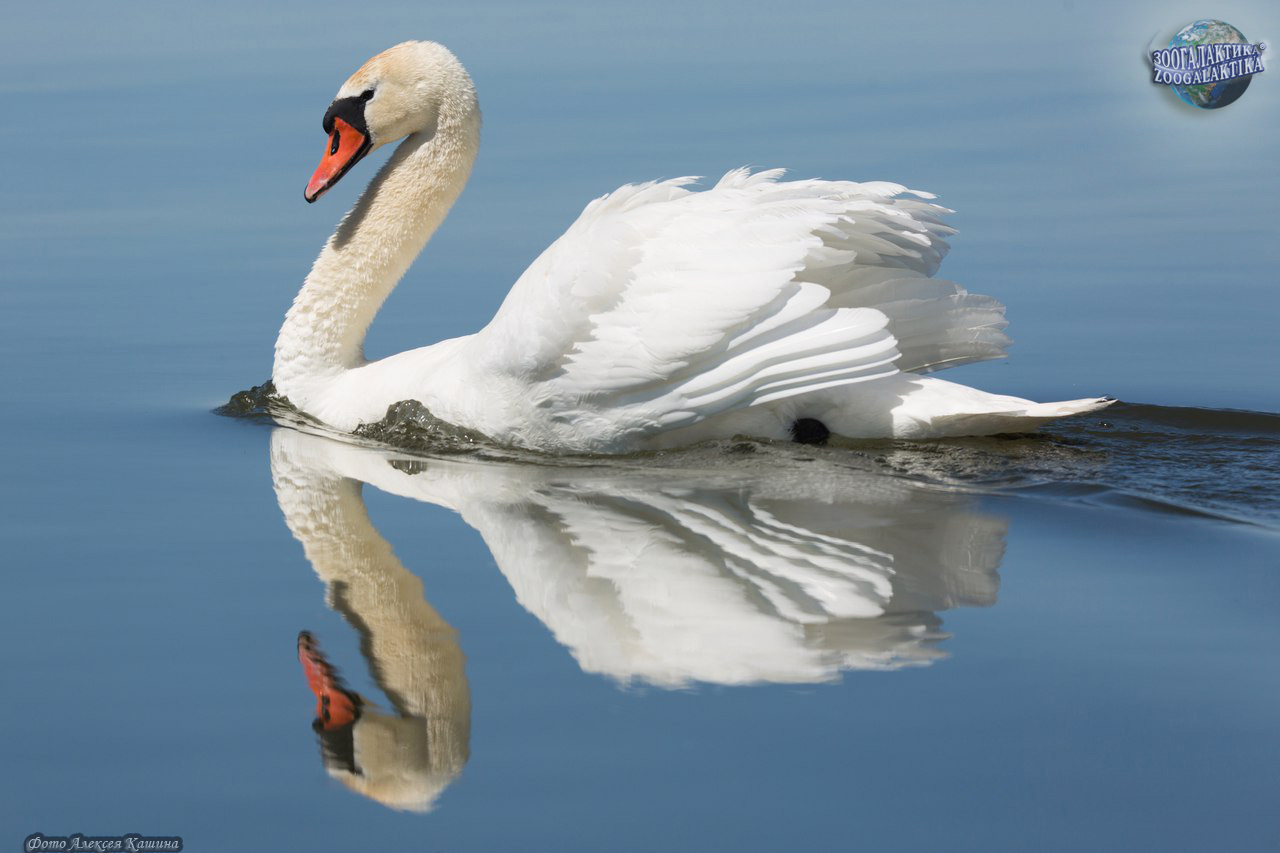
(346, 146)
(335, 705)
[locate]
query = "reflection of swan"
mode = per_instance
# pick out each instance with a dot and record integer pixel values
(768, 571)
(404, 759)
(777, 309)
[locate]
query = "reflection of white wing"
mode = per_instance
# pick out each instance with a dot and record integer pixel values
(711, 585)
(778, 572)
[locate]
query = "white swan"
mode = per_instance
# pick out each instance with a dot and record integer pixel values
(662, 316)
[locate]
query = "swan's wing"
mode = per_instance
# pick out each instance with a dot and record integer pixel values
(679, 305)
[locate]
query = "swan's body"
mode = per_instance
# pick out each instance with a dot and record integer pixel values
(663, 316)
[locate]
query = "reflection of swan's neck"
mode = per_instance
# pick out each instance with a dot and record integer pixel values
(323, 333)
(412, 652)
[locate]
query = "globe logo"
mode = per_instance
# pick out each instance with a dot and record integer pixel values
(1208, 64)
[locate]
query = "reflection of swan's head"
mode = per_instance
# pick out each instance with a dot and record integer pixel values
(384, 757)
(402, 90)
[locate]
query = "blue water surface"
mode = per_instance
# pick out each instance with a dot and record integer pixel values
(1075, 655)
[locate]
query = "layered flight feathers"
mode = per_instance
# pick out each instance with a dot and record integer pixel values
(679, 305)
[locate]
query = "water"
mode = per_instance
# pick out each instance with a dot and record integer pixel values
(1065, 641)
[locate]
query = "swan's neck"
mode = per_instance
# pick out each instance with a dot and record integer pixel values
(323, 333)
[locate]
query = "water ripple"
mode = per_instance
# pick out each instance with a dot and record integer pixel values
(1208, 463)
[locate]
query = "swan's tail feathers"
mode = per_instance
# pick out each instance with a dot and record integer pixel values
(978, 413)
(1066, 408)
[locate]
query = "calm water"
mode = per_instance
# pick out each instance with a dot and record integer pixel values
(1058, 642)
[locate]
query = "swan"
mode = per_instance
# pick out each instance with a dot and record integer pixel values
(662, 317)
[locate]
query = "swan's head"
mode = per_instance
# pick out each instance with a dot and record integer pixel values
(400, 91)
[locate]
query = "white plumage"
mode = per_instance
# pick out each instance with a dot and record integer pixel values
(769, 572)
(662, 316)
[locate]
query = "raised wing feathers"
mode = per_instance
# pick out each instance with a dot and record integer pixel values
(684, 304)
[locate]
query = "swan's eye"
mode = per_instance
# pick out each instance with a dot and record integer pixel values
(333, 148)
(366, 95)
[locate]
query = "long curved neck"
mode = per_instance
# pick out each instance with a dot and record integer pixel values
(323, 332)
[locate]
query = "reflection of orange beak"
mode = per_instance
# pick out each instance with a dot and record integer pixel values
(335, 705)
(346, 146)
